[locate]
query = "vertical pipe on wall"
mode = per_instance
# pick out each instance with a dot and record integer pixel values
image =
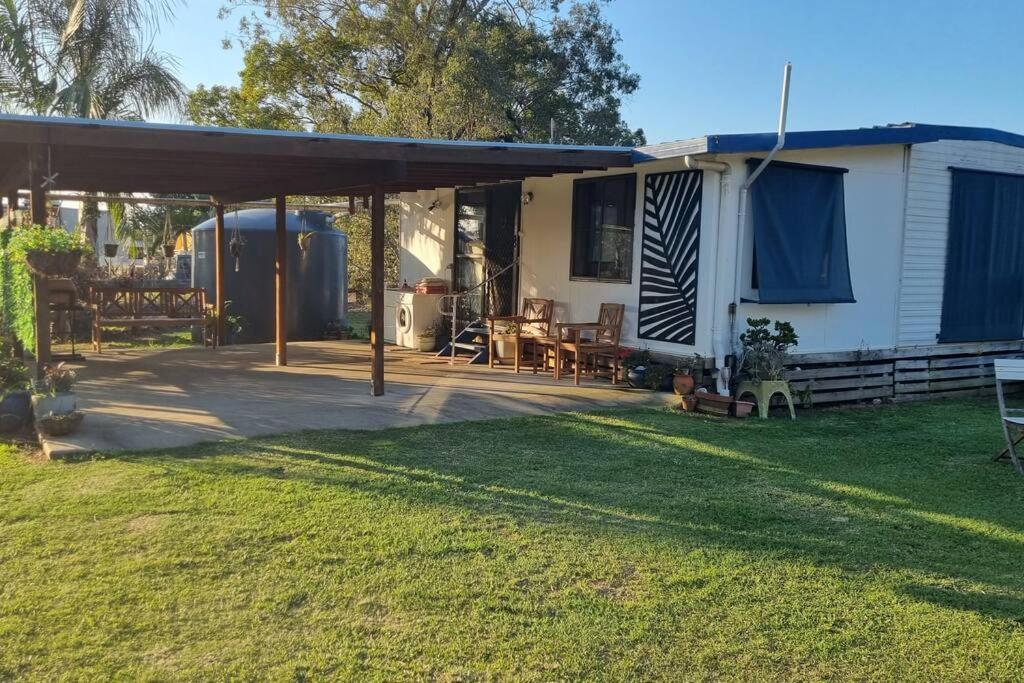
(281, 284)
(218, 256)
(377, 290)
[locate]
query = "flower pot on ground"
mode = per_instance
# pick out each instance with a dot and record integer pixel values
(682, 384)
(688, 403)
(15, 402)
(426, 342)
(54, 404)
(714, 404)
(60, 425)
(635, 377)
(741, 408)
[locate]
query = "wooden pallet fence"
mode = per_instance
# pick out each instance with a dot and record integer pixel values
(904, 374)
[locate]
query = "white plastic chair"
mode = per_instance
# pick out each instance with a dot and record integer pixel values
(1010, 370)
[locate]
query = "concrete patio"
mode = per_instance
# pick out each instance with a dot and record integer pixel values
(143, 399)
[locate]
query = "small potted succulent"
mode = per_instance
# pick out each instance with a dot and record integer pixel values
(54, 402)
(49, 252)
(15, 402)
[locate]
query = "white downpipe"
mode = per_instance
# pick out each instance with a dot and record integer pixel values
(741, 214)
(719, 345)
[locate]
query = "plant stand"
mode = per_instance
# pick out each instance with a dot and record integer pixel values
(763, 391)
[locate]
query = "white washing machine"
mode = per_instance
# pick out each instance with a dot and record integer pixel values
(412, 314)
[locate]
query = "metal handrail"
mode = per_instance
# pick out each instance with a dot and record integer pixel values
(455, 305)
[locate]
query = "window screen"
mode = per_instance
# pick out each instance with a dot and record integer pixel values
(799, 218)
(983, 296)
(602, 228)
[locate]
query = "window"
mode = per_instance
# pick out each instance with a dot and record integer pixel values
(799, 217)
(602, 228)
(983, 297)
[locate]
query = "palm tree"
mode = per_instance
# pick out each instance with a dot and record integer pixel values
(86, 58)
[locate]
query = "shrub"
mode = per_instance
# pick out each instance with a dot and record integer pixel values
(764, 351)
(14, 375)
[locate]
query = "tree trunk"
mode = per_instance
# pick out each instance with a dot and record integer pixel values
(89, 224)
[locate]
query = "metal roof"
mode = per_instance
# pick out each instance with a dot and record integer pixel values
(894, 134)
(241, 164)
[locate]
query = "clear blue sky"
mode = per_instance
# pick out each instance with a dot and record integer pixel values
(716, 66)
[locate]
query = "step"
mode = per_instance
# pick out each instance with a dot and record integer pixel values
(470, 347)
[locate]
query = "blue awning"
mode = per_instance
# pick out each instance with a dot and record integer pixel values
(799, 217)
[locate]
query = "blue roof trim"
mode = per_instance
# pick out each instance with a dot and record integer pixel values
(909, 134)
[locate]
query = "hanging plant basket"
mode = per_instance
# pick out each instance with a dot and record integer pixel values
(235, 247)
(169, 250)
(53, 264)
(110, 250)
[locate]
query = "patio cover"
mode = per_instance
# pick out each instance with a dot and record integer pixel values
(235, 165)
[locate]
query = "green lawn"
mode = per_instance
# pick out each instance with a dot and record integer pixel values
(861, 544)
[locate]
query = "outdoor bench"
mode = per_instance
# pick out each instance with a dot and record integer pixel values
(157, 306)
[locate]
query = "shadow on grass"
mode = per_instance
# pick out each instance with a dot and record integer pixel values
(908, 488)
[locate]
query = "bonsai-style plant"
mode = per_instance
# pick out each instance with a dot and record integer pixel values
(762, 363)
(765, 350)
(15, 404)
(49, 252)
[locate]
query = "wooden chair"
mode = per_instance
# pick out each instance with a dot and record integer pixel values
(534, 323)
(587, 352)
(1010, 370)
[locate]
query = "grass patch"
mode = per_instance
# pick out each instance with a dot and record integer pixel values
(874, 544)
(135, 338)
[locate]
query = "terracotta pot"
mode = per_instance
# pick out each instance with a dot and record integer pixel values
(742, 408)
(688, 403)
(714, 404)
(682, 384)
(60, 264)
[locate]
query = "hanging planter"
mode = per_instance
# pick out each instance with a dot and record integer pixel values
(110, 250)
(235, 244)
(169, 251)
(304, 239)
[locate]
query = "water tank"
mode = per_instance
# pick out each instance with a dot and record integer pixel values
(317, 277)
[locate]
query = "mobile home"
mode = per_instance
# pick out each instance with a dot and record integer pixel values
(896, 251)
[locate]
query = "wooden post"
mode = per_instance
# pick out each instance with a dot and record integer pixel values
(351, 204)
(37, 196)
(218, 255)
(281, 284)
(42, 293)
(377, 289)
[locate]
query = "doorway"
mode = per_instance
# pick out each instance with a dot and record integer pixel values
(486, 244)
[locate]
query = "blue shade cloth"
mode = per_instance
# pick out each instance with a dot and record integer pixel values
(983, 297)
(800, 234)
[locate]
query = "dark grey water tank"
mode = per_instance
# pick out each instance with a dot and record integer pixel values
(317, 278)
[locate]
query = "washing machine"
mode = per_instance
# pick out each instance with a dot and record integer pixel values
(413, 313)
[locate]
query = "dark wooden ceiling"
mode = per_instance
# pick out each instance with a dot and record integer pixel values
(236, 165)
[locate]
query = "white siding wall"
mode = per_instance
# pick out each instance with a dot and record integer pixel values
(874, 193)
(927, 227)
(875, 189)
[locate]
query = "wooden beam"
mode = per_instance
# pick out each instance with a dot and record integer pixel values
(37, 198)
(218, 255)
(281, 283)
(377, 289)
(42, 306)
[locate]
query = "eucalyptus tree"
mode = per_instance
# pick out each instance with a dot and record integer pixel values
(87, 58)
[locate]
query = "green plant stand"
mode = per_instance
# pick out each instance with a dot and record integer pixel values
(763, 391)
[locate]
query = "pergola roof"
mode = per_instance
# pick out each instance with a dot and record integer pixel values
(241, 164)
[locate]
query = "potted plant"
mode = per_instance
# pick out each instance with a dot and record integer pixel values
(635, 364)
(427, 338)
(169, 251)
(110, 249)
(54, 402)
(49, 252)
(657, 377)
(53, 394)
(15, 402)
(233, 325)
(714, 404)
(762, 363)
(683, 380)
(504, 348)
